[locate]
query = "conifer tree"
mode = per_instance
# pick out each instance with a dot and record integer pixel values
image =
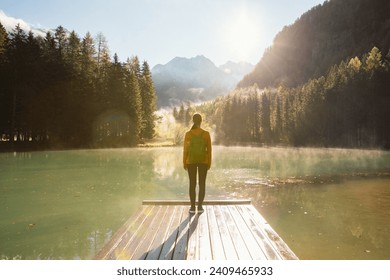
(265, 118)
(88, 52)
(73, 53)
(103, 55)
(134, 106)
(49, 49)
(16, 56)
(4, 80)
(3, 40)
(61, 40)
(135, 66)
(148, 97)
(374, 60)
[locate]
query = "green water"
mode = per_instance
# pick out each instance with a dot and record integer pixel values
(325, 203)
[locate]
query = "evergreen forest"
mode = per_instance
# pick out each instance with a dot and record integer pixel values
(63, 91)
(347, 107)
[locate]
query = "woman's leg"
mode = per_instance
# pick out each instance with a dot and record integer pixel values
(192, 176)
(202, 169)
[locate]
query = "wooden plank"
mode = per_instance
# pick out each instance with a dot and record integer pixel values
(180, 252)
(148, 238)
(119, 235)
(187, 202)
(169, 245)
(193, 239)
(128, 232)
(127, 251)
(227, 242)
(262, 240)
(239, 244)
(251, 244)
(215, 235)
(161, 234)
(280, 246)
(204, 236)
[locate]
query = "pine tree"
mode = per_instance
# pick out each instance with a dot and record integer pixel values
(88, 53)
(102, 56)
(181, 114)
(32, 113)
(103, 68)
(175, 113)
(4, 84)
(188, 115)
(73, 53)
(135, 66)
(134, 106)
(49, 48)
(16, 56)
(148, 97)
(265, 119)
(3, 41)
(61, 41)
(374, 60)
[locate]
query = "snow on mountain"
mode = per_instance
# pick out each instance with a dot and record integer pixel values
(10, 23)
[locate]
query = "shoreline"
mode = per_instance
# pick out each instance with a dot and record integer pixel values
(7, 147)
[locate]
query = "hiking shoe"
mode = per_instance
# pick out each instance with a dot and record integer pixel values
(200, 209)
(192, 210)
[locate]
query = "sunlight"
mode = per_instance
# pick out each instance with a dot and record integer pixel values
(243, 35)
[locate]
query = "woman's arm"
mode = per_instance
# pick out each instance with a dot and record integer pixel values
(209, 150)
(185, 150)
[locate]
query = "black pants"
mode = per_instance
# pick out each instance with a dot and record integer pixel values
(201, 169)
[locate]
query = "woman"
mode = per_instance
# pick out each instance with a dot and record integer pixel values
(197, 160)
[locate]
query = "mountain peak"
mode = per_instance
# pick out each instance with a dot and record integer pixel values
(194, 79)
(10, 23)
(199, 60)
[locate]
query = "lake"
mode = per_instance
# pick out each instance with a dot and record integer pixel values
(325, 203)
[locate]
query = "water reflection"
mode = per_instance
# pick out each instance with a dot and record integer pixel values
(78, 199)
(330, 221)
(165, 164)
(289, 163)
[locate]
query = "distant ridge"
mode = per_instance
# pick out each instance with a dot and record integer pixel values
(195, 79)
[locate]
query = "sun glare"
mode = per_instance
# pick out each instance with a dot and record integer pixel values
(243, 36)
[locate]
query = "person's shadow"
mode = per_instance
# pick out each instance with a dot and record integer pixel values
(175, 247)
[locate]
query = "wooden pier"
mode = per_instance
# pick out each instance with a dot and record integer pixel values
(226, 230)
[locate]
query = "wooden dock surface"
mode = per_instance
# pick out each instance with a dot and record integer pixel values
(226, 230)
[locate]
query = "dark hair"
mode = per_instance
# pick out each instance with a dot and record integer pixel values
(197, 119)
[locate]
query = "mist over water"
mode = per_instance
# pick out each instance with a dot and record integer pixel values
(325, 203)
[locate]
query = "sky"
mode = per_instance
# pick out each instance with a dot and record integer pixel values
(159, 30)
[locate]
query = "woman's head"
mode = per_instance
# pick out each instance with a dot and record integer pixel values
(197, 119)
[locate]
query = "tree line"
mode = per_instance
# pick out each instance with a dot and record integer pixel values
(63, 91)
(347, 107)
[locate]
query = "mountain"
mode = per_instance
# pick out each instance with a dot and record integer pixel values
(195, 79)
(9, 24)
(235, 71)
(321, 38)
